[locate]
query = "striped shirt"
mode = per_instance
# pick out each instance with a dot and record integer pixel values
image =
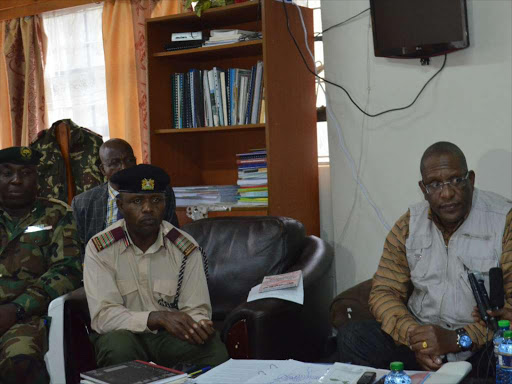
(392, 285)
(112, 211)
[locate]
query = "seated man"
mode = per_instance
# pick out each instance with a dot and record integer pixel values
(421, 296)
(39, 261)
(96, 208)
(145, 283)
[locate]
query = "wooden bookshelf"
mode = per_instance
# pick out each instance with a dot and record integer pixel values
(206, 156)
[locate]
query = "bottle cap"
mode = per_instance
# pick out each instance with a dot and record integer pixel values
(399, 366)
(504, 324)
(507, 334)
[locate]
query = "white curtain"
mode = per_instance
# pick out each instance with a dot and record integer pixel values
(75, 85)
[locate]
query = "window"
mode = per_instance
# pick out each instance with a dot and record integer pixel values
(322, 137)
(75, 85)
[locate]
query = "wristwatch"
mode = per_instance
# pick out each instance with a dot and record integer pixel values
(20, 312)
(464, 341)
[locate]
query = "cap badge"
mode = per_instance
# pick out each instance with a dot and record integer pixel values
(26, 153)
(148, 184)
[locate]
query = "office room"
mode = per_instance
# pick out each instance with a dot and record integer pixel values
(264, 170)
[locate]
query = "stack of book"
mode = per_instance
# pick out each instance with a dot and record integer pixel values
(205, 195)
(217, 97)
(230, 36)
(252, 178)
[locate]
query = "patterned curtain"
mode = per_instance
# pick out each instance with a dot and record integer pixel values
(24, 47)
(5, 105)
(124, 41)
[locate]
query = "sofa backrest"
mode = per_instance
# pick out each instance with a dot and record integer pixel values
(241, 251)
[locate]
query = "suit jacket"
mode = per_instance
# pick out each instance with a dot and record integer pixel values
(90, 211)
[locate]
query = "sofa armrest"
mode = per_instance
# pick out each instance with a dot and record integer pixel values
(351, 305)
(262, 329)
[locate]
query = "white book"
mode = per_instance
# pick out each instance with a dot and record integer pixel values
(211, 92)
(242, 90)
(218, 95)
(255, 113)
(223, 94)
(227, 32)
(208, 115)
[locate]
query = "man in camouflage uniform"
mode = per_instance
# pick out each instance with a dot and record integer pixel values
(39, 261)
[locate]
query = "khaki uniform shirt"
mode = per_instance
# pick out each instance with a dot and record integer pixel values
(124, 284)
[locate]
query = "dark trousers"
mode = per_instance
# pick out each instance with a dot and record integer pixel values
(162, 348)
(364, 343)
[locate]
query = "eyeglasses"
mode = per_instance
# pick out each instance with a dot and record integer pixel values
(436, 186)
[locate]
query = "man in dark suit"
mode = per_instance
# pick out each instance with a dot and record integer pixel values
(96, 209)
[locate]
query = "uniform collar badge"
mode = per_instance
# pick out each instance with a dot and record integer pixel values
(148, 184)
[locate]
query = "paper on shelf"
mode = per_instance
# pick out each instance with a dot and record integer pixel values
(295, 294)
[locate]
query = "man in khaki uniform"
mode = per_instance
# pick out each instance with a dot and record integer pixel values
(39, 261)
(145, 282)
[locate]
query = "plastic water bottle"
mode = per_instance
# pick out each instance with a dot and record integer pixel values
(504, 369)
(504, 325)
(397, 374)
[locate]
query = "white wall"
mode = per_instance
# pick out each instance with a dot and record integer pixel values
(469, 103)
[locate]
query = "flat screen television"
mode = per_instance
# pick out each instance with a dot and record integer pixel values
(418, 28)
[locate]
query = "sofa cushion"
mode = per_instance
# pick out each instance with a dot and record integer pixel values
(243, 249)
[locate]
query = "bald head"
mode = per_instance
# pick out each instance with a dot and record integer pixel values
(116, 155)
(443, 148)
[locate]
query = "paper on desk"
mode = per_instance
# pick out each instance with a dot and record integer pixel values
(291, 371)
(238, 371)
(349, 374)
(295, 294)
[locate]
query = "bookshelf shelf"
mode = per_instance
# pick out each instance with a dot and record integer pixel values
(207, 155)
(245, 48)
(210, 129)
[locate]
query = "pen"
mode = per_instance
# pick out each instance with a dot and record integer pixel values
(203, 370)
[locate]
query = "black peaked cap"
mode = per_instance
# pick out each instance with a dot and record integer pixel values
(142, 178)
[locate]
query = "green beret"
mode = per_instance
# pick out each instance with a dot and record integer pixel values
(142, 178)
(20, 156)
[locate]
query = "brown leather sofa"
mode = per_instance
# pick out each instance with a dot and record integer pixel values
(241, 251)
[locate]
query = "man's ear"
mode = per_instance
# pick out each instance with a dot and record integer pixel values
(423, 189)
(102, 169)
(472, 178)
(119, 202)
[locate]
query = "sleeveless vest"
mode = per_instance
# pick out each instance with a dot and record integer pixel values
(442, 294)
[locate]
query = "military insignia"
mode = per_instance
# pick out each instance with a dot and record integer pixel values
(26, 153)
(181, 242)
(148, 184)
(106, 239)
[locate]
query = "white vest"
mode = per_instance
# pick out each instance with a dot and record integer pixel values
(442, 294)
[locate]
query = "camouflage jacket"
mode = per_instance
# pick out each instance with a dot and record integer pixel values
(39, 256)
(84, 150)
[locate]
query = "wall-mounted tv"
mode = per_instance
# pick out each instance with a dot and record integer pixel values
(418, 28)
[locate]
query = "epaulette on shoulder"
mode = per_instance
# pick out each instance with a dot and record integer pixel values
(181, 242)
(60, 202)
(106, 239)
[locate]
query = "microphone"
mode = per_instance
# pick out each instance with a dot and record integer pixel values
(482, 300)
(496, 292)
